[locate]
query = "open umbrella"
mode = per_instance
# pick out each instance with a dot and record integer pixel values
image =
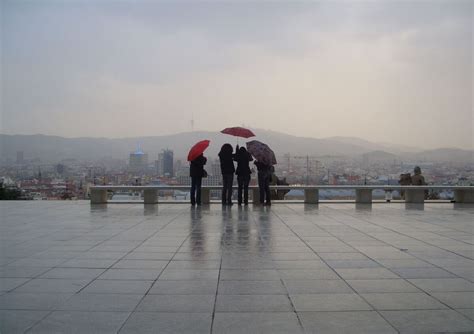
(197, 149)
(238, 132)
(261, 152)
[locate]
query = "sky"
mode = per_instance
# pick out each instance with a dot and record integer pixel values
(386, 71)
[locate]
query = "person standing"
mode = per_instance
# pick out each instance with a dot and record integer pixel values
(226, 158)
(197, 172)
(243, 174)
(418, 179)
(264, 175)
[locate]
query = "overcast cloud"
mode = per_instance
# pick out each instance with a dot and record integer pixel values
(387, 71)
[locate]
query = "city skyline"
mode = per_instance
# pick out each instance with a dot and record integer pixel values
(398, 72)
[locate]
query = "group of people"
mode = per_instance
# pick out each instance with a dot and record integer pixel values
(227, 158)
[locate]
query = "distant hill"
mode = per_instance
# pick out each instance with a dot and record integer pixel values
(54, 148)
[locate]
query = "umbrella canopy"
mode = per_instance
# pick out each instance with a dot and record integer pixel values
(238, 132)
(261, 152)
(198, 149)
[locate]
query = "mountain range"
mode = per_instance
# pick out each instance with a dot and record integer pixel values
(54, 148)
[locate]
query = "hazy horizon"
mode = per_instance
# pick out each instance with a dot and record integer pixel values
(389, 71)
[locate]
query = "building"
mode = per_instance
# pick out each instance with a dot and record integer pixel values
(20, 157)
(165, 163)
(138, 161)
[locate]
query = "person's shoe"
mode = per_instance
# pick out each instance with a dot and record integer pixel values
(268, 204)
(230, 204)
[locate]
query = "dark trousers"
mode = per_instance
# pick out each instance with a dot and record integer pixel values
(196, 182)
(227, 180)
(264, 187)
(243, 182)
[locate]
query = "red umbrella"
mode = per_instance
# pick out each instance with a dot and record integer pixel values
(197, 149)
(238, 132)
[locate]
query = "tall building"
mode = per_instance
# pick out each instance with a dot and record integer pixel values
(165, 163)
(138, 161)
(19, 157)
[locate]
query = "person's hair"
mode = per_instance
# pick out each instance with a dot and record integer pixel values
(242, 150)
(417, 170)
(226, 149)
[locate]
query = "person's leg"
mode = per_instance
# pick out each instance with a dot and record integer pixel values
(230, 181)
(240, 182)
(193, 190)
(267, 191)
(198, 190)
(224, 190)
(246, 182)
(261, 187)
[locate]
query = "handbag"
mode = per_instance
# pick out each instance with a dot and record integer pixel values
(204, 173)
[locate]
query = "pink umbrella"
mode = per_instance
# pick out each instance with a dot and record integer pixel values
(238, 132)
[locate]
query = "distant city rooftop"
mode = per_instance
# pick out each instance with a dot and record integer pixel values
(73, 267)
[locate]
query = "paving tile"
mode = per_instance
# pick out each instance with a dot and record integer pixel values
(18, 321)
(365, 273)
(366, 263)
(88, 263)
(443, 284)
(468, 312)
(131, 274)
(272, 322)
(81, 322)
(253, 303)
(101, 302)
(184, 287)
(22, 272)
(423, 273)
(428, 321)
(306, 274)
(189, 274)
(194, 265)
(177, 303)
(329, 302)
(251, 287)
(296, 287)
(402, 301)
(140, 264)
(32, 301)
(363, 322)
(72, 273)
(456, 299)
(168, 323)
(249, 275)
(118, 287)
(7, 284)
(53, 285)
(382, 285)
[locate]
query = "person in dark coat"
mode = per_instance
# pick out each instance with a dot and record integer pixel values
(243, 173)
(196, 171)
(264, 176)
(226, 158)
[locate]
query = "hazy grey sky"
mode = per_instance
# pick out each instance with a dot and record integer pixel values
(390, 71)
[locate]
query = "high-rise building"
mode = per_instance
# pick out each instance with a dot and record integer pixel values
(138, 161)
(19, 157)
(165, 163)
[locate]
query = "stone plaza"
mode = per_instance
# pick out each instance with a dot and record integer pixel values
(72, 267)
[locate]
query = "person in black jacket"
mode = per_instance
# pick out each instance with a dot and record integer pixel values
(227, 169)
(264, 176)
(243, 173)
(196, 171)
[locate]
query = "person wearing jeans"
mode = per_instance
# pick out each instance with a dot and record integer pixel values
(243, 174)
(226, 158)
(196, 171)
(264, 175)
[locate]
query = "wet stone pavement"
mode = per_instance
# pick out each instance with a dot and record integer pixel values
(68, 267)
